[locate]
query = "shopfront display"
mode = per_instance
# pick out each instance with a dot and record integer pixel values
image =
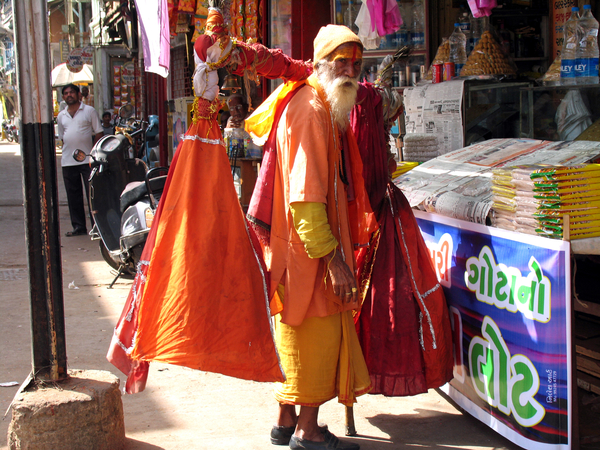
(126, 84)
(413, 32)
(510, 307)
(561, 112)
(463, 112)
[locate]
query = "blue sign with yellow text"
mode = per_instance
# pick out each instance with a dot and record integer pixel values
(509, 300)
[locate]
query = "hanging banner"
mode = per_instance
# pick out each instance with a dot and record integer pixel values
(87, 55)
(509, 300)
(75, 60)
(560, 12)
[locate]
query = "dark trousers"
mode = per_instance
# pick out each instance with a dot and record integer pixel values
(76, 180)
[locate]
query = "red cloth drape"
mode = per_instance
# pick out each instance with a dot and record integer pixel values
(395, 272)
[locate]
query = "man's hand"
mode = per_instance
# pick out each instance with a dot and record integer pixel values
(234, 122)
(342, 278)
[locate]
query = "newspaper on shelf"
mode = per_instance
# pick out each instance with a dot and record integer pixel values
(458, 184)
(436, 109)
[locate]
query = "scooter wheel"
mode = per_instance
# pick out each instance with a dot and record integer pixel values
(106, 256)
(9, 137)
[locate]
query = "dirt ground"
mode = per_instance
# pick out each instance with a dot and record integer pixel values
(183, 408)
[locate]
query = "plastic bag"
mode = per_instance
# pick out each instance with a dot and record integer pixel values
(552, 75)
(480, 8)
(572, 116)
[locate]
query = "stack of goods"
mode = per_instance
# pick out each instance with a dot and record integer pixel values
(180, 13)
(442, 56)
(124, 87)
(420, 147)
(487, 59)
(244, 19)
(534, 200)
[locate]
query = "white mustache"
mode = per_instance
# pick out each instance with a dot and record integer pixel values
(343, 79)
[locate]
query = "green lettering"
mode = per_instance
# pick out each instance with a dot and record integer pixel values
(477, 352)
(541, 299)
(525, 295)
(475, 271)
(536, 268)
(490, 282)
(503, 371)
(482, 281)
(512, 289)
(487, 370)
(502, 281)
(526, 409)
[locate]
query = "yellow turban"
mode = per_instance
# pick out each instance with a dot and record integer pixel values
(331, 37)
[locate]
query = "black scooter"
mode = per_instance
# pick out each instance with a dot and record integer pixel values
(124, 195)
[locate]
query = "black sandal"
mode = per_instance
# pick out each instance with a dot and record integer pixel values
(75, 233)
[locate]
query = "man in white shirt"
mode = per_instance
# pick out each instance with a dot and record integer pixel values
(79, 127)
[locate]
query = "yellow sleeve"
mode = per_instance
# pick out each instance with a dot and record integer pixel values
(311, 224)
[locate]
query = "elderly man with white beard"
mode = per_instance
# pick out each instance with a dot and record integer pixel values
(312, 212)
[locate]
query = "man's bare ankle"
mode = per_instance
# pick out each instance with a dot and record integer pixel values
(315, 435)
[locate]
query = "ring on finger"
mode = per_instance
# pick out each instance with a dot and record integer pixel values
(354, 290)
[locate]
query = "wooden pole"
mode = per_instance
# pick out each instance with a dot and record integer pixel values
(350, 428)
(40, 190)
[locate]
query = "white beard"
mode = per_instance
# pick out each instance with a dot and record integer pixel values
(340, 95)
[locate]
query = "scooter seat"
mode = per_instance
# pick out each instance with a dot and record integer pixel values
(136, 190)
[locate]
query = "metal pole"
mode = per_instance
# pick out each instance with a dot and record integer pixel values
(40, 191)
(163, 132)
(81, 25)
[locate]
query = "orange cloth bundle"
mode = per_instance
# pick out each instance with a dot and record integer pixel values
(187, 6)
(201, 302)
(251, 19)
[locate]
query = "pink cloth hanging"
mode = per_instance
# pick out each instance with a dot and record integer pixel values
(385, 16)
(481, 8)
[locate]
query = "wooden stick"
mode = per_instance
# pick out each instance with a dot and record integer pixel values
(350, 429)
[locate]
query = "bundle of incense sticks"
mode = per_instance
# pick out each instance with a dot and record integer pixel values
(535, 199)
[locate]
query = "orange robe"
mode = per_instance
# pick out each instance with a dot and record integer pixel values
(199, 298)
(308, 166)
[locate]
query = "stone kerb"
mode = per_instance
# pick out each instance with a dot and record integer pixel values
(84, 412)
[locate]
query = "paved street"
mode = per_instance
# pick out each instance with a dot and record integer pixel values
(183, 408)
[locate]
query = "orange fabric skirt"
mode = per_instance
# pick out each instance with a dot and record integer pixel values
(199, 299)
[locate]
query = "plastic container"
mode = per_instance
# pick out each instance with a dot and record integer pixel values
(339, 15)
(586, 61)
(403, 34)
(417, 32)
(476, 31)
(569, 48)
(350, 16)
(458, 49)
(464, 19)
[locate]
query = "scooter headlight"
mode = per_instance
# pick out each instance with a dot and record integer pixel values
(149, 217)
(110, 143)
